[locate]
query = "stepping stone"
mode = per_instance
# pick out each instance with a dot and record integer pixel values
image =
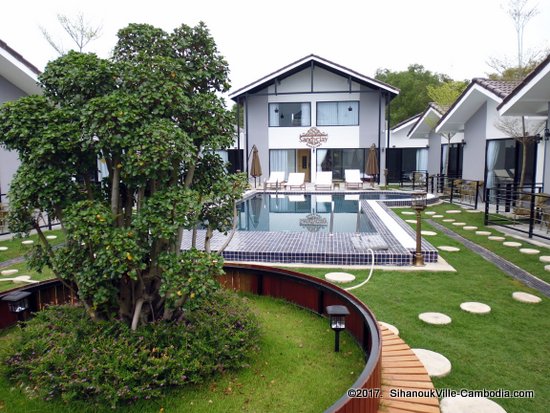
(9, 272)
(436, 364)
(430, 212)
(544, 258)
(3, 248)
(340, 277)
(448, 248)
(469, 227)
(27, 242)
(449, 220)
(435, 318)
(411, 221)
(459, 224)
(511, 244)
(459, 404)
(390, 327)
(453, 211)
(473, 211)
(547, 267)
(408, 212)
(496, 238)
(526, 297)
(529, 251)
(476, 308)
(51, 236)
(437, 216)
(483, 233)
(428, 233)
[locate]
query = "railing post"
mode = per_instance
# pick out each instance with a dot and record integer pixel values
(452, 190)
(487, 200)
(497, 198)
(532, 214)
(414, 179)
(476, 195)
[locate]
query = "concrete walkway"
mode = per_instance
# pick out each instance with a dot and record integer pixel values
(511, 269)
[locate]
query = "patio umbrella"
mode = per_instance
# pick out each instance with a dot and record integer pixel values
(255, 168)
(372, 163)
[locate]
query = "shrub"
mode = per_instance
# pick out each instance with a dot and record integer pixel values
(64, 354)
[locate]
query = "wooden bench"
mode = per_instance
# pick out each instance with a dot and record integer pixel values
(401, 369)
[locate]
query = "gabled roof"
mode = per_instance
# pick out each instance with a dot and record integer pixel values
(426, 121)
(18, 71)
(304, 63)
(405, 123)
(476, 94)
(531, 96)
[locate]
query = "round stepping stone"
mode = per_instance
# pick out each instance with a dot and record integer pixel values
(21, 278)
(529, 251)
(27, 242)
(469, 227)
(453, 211)
(435, 318)
(428, 233)
(340, 277)
(3, 248)
(437, 365)
(475, 307)
(9, 272)
(483, 233)
(544, 258)
(473, 211)
(496, 238)
(430, 212)
(511, 244)
(411, 221)
(459, 404)
(408, 212)
(390, 327)
(51, 236)
(437, 216)
(459, 224)
(547, 267)
(448, 248)
(449, 220)
(526, 297)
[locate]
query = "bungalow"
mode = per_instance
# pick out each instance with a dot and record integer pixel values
(314, 115)
(490, 153)
(18, 78)
(532, 98)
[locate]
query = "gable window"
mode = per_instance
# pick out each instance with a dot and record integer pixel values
(338, 113)
(290, 114)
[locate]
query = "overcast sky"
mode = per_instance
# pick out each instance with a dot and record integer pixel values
(454, 37)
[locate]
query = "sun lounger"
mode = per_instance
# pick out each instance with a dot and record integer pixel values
(275, 181)
(353, 179)
(296, 180)
(324, 180)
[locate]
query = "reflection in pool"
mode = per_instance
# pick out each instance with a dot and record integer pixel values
(304, 212)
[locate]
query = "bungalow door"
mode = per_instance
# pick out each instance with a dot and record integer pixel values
(303, 163)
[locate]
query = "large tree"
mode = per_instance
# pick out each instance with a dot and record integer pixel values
(153, 116)
(413, 96)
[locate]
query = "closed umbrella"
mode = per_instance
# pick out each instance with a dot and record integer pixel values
(372, 163)
(255, 168)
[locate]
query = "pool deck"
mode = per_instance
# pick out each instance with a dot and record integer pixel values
(329, 249)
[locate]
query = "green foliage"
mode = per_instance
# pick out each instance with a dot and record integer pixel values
(153, 115)
(446, 93)
(64, 355)
(413, 96)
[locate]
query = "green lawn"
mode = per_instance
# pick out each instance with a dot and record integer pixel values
(296, 370)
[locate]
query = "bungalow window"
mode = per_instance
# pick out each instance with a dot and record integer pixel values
(289, 114)
(338, 113)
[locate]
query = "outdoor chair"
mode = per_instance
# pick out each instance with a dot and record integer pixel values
(324, 180)
(353, 179)
(296, 181)
(275, 181)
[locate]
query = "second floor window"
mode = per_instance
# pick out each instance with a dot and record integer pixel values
(289, 114)
(338, 113)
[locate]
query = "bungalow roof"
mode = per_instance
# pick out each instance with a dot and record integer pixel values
(18, 70)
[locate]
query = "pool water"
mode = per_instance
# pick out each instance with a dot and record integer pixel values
(335, 213)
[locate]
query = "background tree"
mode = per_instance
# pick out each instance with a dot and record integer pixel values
(80, 31)
(152, 113)
(413, 96)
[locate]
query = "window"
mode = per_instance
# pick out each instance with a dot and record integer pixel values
(338, 160)
(338, 113)
(289, 114)
(282, 160)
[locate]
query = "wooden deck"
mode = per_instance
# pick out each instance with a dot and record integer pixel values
(401, 370)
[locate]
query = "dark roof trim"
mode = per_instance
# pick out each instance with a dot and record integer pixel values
(20, 58)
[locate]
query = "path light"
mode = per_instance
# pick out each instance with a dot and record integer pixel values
(18, 302)
(337, 319)
(419, 202)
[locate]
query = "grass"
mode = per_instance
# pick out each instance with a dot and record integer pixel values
(507, 348)
(16, 249)
(296, 370)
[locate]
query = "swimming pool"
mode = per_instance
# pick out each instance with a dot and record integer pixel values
(269, 230)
